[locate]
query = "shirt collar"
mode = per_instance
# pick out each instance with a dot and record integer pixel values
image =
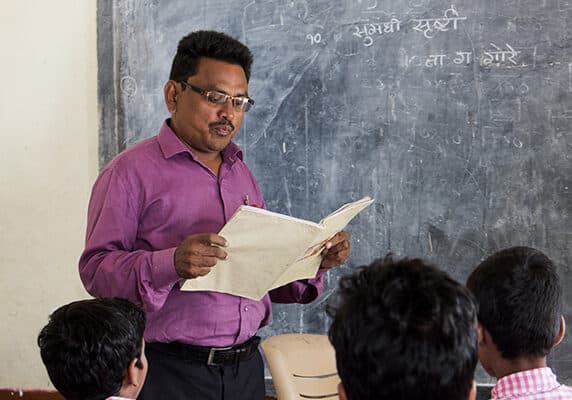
(171, 145)
(523, 383)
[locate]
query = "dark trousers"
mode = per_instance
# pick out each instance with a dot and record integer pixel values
(173, 377)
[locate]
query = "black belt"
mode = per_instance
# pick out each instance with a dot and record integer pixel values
(209, 355)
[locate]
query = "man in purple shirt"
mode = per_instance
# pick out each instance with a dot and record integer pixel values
(151, 221)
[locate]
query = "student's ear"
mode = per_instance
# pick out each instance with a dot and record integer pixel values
(342, 392)
(480, 333)
(133, 375)
(562, 331)
(473, 391)
(170, 92)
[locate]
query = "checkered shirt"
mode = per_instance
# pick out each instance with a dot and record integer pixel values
(534, 384)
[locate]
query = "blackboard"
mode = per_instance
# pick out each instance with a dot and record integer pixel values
(455, 116)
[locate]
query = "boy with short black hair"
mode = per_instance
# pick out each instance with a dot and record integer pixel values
(520, 319)
(404, 330)
(94, 349)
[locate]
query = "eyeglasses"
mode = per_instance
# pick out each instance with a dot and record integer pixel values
(240, 103)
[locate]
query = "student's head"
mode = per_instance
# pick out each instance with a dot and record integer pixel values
(403, 329)
(207, 70)
(93, 349)
(520, 304)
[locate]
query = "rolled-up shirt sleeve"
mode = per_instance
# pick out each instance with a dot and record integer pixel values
(303, 291)
(111, 264)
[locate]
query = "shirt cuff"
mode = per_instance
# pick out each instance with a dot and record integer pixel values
(163, 271)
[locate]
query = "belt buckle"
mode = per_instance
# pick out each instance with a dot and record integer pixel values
(212, 353)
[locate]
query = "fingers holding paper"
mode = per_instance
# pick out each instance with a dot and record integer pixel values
(337, 250)
(197, 254)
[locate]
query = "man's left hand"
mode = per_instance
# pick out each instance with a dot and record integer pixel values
(337, 250)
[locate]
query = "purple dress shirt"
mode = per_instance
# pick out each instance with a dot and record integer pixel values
(143, 204)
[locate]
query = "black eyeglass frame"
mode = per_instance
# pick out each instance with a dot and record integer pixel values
(245, 104)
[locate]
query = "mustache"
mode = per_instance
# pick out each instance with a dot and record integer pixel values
(223, 122)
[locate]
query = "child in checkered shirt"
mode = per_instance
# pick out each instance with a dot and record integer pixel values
(519, 321)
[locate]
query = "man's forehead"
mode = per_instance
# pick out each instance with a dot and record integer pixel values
(221, 75)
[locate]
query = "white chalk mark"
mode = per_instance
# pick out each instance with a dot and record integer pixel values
(430, 243)
(428, 25)
(475, 182)
(517, 143)
(284, 147)
(288, 200)
(523, 88)
(244, 17)
(128, 86)
(499, 55)
(570, 77)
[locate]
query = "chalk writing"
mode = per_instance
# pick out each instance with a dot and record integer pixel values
(439, 60)
(463, 57)
(128, 86)
(517, 143)
(435, 60)
(370, 29)
(498, 55)
(491, 58)
(315, 38)
(428, 25)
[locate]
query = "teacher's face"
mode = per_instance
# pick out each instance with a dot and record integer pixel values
(206, 127)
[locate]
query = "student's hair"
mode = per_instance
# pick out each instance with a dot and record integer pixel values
(520, 301)
(87, 346)
(209, 44)
(404, 330)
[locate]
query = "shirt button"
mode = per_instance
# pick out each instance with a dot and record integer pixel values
(246, 308)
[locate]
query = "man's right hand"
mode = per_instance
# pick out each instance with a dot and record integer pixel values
(197, 254)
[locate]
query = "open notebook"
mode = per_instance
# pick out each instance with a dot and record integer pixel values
(267, 250)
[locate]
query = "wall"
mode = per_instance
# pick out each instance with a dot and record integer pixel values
(48, 159)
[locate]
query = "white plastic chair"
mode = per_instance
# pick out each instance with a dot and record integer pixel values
(303, 366)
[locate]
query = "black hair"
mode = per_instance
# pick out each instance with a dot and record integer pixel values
(520, 301)
(404, 330)
(87, 346)
(209, 44)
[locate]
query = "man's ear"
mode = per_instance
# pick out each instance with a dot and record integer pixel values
(562, 331)
(342, 392)
(170, 92)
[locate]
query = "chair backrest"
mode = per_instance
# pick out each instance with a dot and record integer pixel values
(303, 366)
